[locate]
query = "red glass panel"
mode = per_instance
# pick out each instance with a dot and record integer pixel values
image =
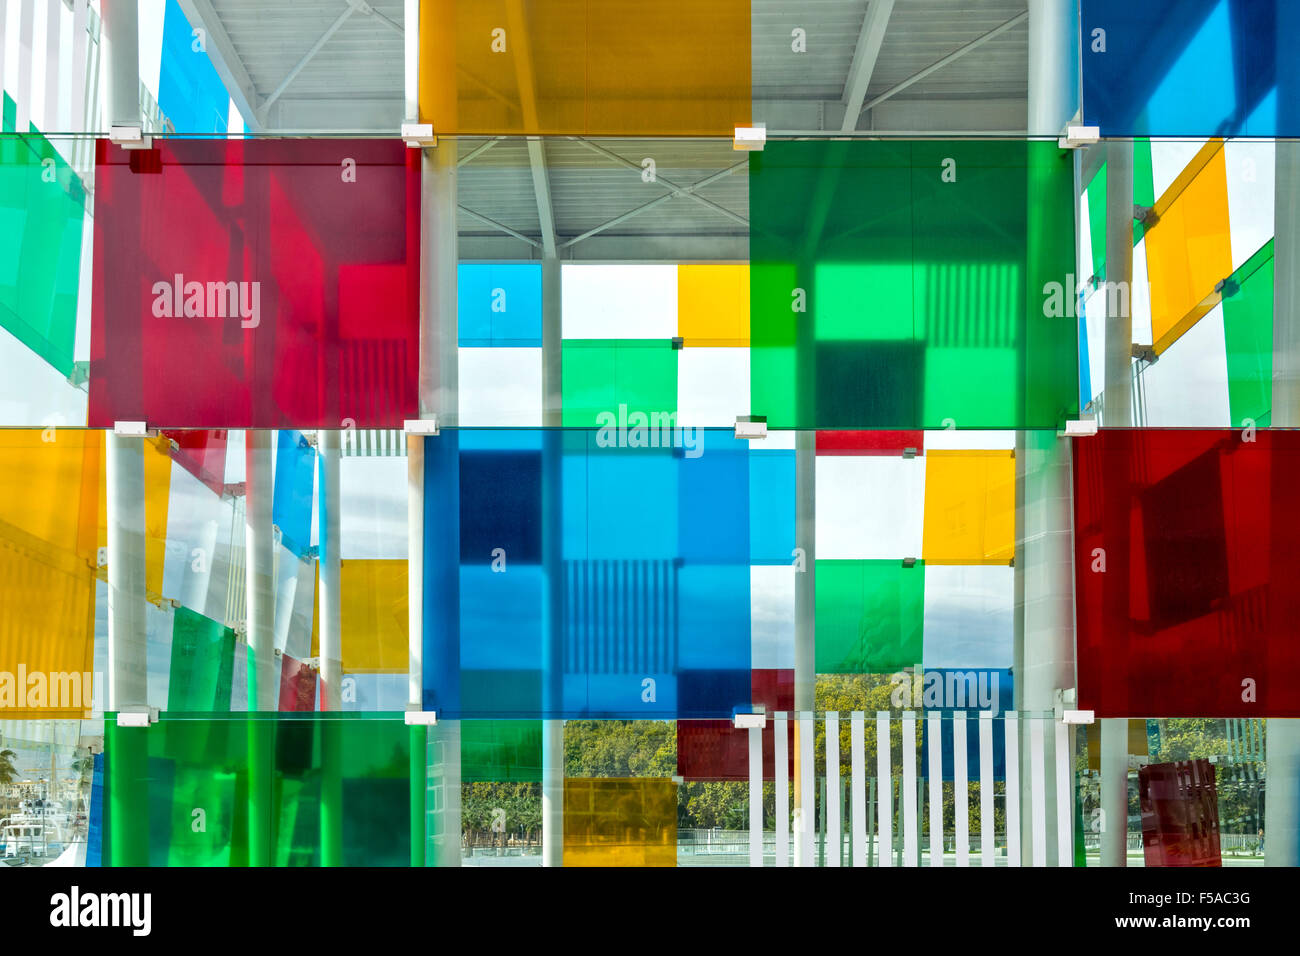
(256, 284)
(1180, 814)
(869, 442)
(1185, 566)
(297, 685)
(716, 750)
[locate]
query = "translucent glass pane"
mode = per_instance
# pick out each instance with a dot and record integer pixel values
(373, 618)
(1180, 814)
(499, 304)
(593, 579)
(869, 616)
(1175, 68)
(202, 664)
(620, 822)
(291, 506)
(1183, 573)
(713, 305)
(501, 751)
(970, 507)
(910, 284)
(572, 67)
(1189, 250)
(618, 382)
(969, 691)
(42, 207)
(1248, 336)
(256, 284)
(286, 791)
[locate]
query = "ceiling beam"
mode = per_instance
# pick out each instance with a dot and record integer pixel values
(226, 61)
(870, 37)
(305, 59)
(528, 104)
(500, 227)
(956, 54)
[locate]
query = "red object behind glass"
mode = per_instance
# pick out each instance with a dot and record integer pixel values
(716, 750)
(1180, 814)
(256, 284)
(1186, 563)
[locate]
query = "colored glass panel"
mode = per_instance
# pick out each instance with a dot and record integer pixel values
(620, 382)
(948, 692)
(501, 751)
(1191, 67)
(887, 443)
(970, 507)
(297, 685)
(499, 304)
(771, 506)
(1180, 814)
(593, 580)
(255, 284)
(1184, 571)
(201, 452)
(579, 68)
(869, 616)
(717, 750)
(373, 617)
(1189, 249)
(190, 92)
(909, 285)
(713, 305)
(614, 821)
(273, 790)
(202, 664)
(42, 206)
(1248, 338)
(291, 502)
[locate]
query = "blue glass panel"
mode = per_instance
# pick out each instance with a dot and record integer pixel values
(499, 304)
(623, 590)
(1191, 67)
(190, 93)
(970, 690)
(295, 466)
(771, 506)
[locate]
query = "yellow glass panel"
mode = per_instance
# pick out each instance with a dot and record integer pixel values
(970, 507)
(617, 67)
(373, 617)
(51, 497)
(713, 305)
(1188, 249)
(620, 821)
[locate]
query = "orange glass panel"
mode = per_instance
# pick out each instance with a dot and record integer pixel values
(373, 619)
(970, 507)
(1188, 249)
(620, 821)
(614, 67)
(713, 305)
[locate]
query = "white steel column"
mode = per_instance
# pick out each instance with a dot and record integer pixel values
(331, 565)
(934, 735)
(960, 791)
(986, 788)
(127, 685)
(858, 788)
(263, 681)
(755, 796)
(781, 775)
(834, 842)
(552, 419)
(884, 791)
(911, 828)
(121, 61)
(805, 623)
(1282, 735)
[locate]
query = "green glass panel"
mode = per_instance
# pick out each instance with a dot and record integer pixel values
(263, 789)
(501, 751)
(202, 665)
(869, 616)
(42, 205)
(907, 284)
(619, 378)
(1144, 184)
(1248, 337)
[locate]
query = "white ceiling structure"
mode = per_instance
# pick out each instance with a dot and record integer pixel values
(889, 67)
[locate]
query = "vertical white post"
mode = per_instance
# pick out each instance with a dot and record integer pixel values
(1011, 731)
(80, 122)
(127, 685)
(53, 102)
(960, 792)
(911, 828)
(1114, 792)
(1038, 791)
(884, 790)
(806, 768)
(258, 572)
(986, 788)
(552, 519)
(934, 733)
(331, 572)
(121, 59)
(197, 583)
(1065, 796)
(858, 779)
(755, 796)
(1282, 743)
(805, 623)
(834, 843)
(27, 27)
(781, 755)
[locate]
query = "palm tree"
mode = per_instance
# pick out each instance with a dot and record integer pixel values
(8, 772)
